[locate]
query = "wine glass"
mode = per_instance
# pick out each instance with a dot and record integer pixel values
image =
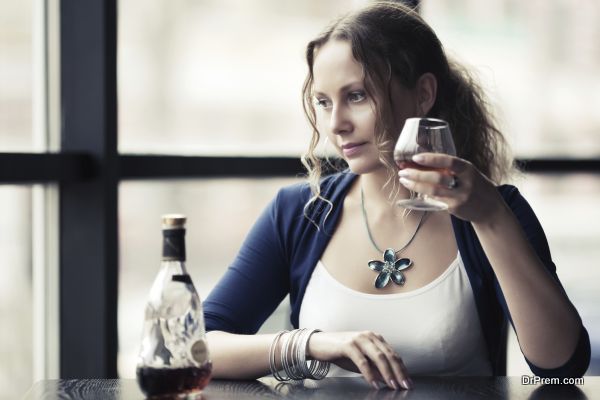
(423, 135)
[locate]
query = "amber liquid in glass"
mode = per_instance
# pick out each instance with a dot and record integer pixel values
(158, 382)
(414, 165)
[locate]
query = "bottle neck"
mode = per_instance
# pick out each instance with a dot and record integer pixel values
(173, 267)
(173, 245)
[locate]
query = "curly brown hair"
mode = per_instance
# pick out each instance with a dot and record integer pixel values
(393, 43)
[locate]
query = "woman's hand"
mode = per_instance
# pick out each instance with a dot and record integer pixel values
(365, 352)
(469, 194)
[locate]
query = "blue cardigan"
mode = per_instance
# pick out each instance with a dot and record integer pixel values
(282, 249)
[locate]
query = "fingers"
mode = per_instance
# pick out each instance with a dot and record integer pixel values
(443, 179)
(362, 363)
(441, 161)
(468, 193)
(380, 359)
(436, 190)
(399, 371)
(440, 183)
(377, 360)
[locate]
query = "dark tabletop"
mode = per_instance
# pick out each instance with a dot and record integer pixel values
(429, 388)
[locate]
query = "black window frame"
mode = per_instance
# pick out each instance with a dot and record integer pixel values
(88, 170)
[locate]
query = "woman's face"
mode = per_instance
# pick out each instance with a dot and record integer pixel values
(345, 111)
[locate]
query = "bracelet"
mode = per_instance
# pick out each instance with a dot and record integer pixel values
(291, 367)
(272, 364)
(317, 369)
(293, 357)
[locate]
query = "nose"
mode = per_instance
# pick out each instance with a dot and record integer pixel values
(340, 121)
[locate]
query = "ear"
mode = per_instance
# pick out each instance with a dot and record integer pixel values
(426, 90)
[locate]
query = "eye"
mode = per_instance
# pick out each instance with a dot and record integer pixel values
(357, 96)
(322, 103)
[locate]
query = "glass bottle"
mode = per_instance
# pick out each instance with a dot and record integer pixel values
(173, 358)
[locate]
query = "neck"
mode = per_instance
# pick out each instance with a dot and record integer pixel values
(378, 195)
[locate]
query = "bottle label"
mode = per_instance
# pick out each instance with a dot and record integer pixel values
(183, 278)
(199, 351)
(173, 244)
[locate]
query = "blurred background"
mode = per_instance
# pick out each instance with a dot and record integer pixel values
(223, 78)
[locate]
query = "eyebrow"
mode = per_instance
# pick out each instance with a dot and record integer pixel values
(342, 89)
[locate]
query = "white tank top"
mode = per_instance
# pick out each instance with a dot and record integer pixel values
(435, 329)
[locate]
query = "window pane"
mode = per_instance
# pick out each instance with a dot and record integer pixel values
(216, 77)
(16, 368)
(15, 76)
(220, 212)
(567, 207)
(539, 61)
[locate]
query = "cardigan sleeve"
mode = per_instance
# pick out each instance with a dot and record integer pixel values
(255, 282)
(580, 359)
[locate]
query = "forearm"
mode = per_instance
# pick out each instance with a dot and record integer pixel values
(240, 356)
(545, 321)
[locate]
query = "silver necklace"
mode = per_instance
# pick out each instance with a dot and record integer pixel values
(391, 267)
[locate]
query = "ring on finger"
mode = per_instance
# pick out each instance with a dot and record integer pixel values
(453, 184)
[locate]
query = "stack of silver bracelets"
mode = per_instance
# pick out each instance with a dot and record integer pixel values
(293, 357)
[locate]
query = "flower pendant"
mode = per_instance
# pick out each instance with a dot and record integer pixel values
(390, 267)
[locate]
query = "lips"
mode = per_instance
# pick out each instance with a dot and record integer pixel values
(350, 149)
(351, 145)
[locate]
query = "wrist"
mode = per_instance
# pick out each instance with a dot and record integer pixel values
(312, 345)
(496, 214)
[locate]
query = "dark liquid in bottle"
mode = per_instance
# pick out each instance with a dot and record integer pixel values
(157, 382)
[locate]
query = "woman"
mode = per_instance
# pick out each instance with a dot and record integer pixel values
(480, 264)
